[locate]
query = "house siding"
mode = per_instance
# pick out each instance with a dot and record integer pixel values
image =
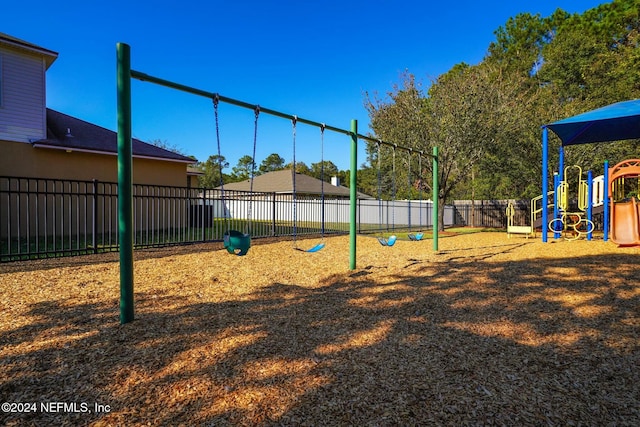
(69, 175)
(49, 163)
(22, 113)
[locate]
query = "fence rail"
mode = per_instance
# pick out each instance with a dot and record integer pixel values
(43, 218)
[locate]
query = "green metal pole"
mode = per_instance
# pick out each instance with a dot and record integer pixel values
(125, 183)
(436, 191)
(353, 183)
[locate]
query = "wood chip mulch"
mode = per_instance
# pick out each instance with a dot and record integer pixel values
(488, 331)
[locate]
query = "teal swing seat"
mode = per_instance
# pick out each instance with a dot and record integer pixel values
(416, 236)
(237, 243)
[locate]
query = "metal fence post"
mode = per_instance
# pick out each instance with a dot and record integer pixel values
(273, 216)
(94, 218)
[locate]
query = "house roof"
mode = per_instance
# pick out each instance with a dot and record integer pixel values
(282, 182)
(69, 133)
(194, 171)
(16, 43)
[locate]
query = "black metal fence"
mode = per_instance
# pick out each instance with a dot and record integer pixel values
(42, 218)
(487, 213)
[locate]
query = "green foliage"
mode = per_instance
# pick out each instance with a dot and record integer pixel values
(169, 147)
(486, 118)
(211, 169)
(329, 170)
(273, 162)
(243, 169)
(593, 58)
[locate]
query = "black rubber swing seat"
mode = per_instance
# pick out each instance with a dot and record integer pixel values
(237, 243)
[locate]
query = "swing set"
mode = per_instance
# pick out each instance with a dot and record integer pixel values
(320, 245)
(391, 240)
(419, 235)
(235, 241)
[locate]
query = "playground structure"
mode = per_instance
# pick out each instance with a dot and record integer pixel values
(572, 216)
(615, 122)
(618, 191)
(625, 215)
(236, 242)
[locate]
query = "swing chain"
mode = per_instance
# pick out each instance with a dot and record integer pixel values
(253, 169)
(216, 102)
(294, 121)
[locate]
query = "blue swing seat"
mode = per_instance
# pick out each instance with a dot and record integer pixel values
(237, 243)
(387, 242)
(316, 248)
(416, 236)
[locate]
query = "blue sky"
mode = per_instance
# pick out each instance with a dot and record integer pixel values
(310, 59)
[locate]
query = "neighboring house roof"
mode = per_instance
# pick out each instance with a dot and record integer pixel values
(282, 182)
(69, 133)
(16, 43)
(194, 171)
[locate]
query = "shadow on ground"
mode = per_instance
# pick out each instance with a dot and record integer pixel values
(536, 342)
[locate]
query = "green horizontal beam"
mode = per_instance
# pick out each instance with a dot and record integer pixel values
(212, 95)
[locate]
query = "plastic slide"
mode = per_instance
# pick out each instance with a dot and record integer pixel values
(624, 223)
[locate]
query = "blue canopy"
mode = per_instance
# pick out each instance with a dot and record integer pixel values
(614, 122)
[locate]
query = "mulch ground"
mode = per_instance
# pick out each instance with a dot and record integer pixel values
(489, 331)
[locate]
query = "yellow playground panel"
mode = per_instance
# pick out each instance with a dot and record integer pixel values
(572, 221)
(527, 230)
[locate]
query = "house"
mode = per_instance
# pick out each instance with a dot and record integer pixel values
(281, 182)
(38, 142)
(58, 173)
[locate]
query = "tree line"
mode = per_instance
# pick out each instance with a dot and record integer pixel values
(245, 167)
(486, 119)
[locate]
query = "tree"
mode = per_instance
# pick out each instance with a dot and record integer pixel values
(367, 180)
(211, 170)
(566, 64)
(400, 118)
(465, 113)
(301, 167)
(592, 61)
(486, 118)
(593, 58)
(243, 168)
(330, 169)
(169, 147)
(273, 162)
(519, 43)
